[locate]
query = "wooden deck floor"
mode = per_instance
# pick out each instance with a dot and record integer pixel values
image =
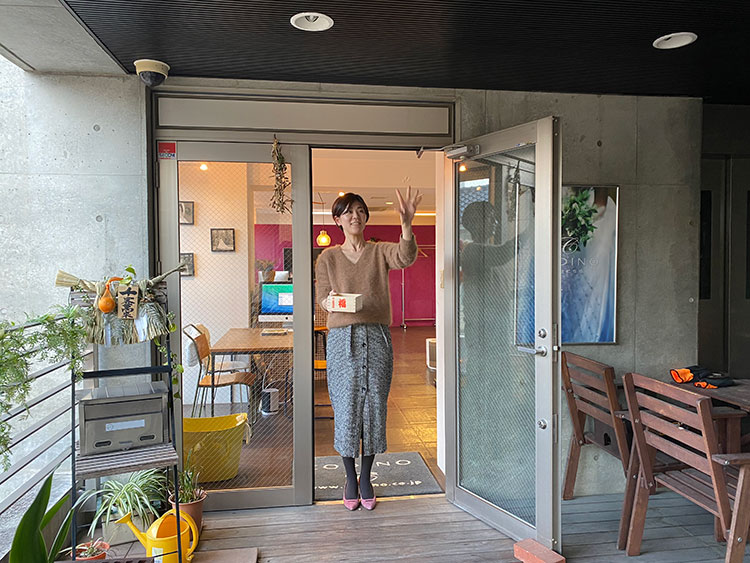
(676, 531)
(422, 529)
(429, 529)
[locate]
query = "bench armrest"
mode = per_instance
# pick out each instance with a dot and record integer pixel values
(727, 412)
(732, 459)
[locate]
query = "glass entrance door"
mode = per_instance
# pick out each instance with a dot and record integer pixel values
(506, 332)
(244, 314)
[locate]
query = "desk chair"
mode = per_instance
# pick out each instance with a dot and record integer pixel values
(320, 366)
(212, 379)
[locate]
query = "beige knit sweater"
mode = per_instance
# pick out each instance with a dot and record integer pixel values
(369, 276)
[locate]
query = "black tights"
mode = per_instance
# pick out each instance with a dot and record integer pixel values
(365, 486)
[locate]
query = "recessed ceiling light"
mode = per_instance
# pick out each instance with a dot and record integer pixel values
(311, 21)
(203, 167)
(462, 167)
(389, 203)
(675, 40)
(341, 194)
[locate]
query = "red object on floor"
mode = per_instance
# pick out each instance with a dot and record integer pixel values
(531, 551)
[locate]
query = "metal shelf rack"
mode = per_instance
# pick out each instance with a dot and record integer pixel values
(148, 457)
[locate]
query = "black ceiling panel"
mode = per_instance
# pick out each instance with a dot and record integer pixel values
(591, 46)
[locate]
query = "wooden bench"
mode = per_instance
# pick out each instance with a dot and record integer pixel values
(680, 423)
(590, 391)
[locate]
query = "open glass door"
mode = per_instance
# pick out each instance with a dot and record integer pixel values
(244, 316)
(503, 389)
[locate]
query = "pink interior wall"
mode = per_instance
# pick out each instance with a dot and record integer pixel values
(419, 279)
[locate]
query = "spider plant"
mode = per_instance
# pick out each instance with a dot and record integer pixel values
(137, 495)
(190, 491)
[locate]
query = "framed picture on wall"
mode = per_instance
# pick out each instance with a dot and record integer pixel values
(187, 212)
(222, 240)
(189, 259)
(588, 280)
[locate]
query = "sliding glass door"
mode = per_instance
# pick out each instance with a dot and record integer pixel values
(243, 309)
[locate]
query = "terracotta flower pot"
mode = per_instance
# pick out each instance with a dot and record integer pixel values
(194, 509)
(103, 555)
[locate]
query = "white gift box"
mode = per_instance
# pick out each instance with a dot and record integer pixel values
(345, 302)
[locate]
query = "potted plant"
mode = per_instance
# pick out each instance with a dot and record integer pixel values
(28, 542)
(137, 495)
(90, 550)
(191, 494)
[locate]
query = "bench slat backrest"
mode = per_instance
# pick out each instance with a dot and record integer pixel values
(590, 390)
(677, 422)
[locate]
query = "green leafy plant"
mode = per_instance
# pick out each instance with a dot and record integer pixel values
(280, 201)
(59, 336)
(28, 542)
(92, 548)
(577, 221)
(137, 495)
(187, 479)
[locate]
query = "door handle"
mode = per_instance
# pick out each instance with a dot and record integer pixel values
(538, 351)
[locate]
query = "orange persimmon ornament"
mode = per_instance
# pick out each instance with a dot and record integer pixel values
(106, 302)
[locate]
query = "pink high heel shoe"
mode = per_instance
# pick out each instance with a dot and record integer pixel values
(351, 504)
(369, 503)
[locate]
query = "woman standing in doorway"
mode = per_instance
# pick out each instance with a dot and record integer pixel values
(359, 353)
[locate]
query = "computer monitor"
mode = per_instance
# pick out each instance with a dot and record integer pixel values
(276, 301)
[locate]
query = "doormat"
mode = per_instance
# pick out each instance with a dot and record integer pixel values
(393, 475)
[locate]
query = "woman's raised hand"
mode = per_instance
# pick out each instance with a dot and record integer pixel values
(408, 207)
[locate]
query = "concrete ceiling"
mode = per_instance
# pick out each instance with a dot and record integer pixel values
(44, 36)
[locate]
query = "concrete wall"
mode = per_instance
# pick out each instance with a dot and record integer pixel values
(72, 186)
(651, 148)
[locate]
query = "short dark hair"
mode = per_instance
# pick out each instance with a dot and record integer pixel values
(344, 202)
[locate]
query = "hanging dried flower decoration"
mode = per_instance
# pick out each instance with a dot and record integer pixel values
(279, 200)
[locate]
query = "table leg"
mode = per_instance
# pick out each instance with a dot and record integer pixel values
(213, 381)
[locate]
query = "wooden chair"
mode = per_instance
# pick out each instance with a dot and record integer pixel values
(681, 423)
(320, 366)
(590, 391)
(212, 379)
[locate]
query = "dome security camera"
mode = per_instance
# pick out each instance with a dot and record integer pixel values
(152, 72)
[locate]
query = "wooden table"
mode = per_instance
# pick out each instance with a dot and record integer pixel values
(251, 341)
(737, 395)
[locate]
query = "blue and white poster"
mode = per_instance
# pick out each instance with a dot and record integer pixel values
(589, 264)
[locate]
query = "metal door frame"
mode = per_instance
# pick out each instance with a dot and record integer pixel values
(545, 135)
(301, 491)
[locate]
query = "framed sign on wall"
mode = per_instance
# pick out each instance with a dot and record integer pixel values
(589, 264)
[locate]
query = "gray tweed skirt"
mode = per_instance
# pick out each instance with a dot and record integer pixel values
(359, 361)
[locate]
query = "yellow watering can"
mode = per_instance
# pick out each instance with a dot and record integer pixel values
(161, 537)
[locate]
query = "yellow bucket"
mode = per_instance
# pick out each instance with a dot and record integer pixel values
(215, 443)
